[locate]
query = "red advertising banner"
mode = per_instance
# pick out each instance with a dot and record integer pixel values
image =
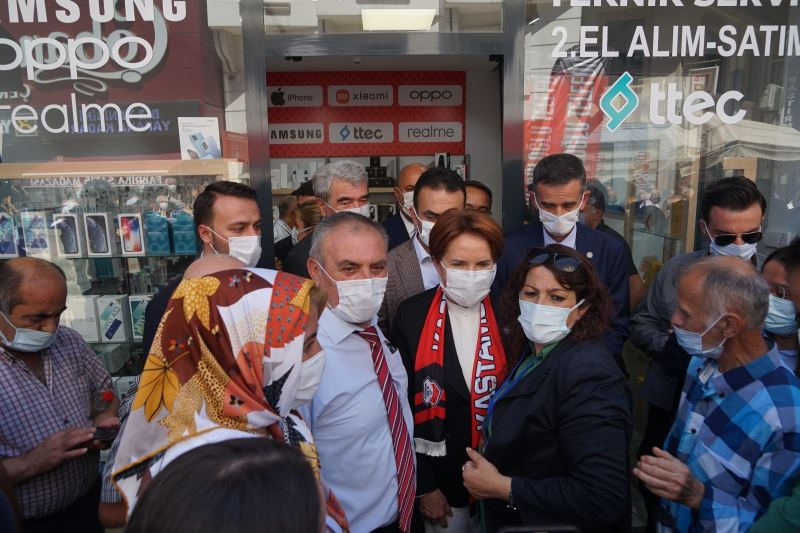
(341, 114)
(565, 114)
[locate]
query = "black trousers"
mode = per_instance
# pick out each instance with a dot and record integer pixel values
(79, 517)
(659, 422)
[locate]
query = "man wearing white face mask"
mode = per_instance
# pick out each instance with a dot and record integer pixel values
(559, 192)
(781, 322)
(400, 226)
(732, 212)
(453, 380)
(735, 444)
(49, 378)
(339, 186)
(411, 268)
(360, 416)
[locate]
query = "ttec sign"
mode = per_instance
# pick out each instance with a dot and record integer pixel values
(430, 95)
(361, 132)
(360, 95)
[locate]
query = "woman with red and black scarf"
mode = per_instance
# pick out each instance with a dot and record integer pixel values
(451, 346)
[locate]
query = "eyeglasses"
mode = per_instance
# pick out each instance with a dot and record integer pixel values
(724, 239)
(780, 291)
(564, 263)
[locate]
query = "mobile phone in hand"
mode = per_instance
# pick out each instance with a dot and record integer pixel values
(106, 433)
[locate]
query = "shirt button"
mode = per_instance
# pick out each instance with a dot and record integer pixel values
(694, 431)
(66, 421)
(721, 394)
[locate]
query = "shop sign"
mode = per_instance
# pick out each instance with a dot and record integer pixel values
(297, 133)
(430, 95)
(360, 95)
(425, 132)
(361, 132)
(80, 181)
(295, 96)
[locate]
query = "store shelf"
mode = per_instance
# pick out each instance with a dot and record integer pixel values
(372, 190)
(117, 256)
(226, 168)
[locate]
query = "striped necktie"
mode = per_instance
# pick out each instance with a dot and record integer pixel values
(403, 454)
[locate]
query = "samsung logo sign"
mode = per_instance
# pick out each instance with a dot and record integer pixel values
(296, 133)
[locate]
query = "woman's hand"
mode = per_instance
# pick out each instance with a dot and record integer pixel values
(482, 479)
(434, 507)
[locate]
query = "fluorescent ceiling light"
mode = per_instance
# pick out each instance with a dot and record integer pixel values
(397, 19)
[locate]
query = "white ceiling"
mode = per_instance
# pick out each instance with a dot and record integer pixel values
(470, 63)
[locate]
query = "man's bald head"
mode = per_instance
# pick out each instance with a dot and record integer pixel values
(409, 175)
(210, 264)
(18, 273)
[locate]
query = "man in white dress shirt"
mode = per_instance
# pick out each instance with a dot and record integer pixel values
(360, 416)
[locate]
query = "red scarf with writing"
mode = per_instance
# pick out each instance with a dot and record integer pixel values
(430, 402)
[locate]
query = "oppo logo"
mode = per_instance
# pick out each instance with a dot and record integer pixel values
(430, 96)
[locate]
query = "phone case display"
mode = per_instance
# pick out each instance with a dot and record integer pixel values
(69, 237)
(81, 315)
(138, 303)
(8, 236)
(34, 232)
(114, 318)
(156, 233)
(130, 234)
(98, 234)
(183, 233)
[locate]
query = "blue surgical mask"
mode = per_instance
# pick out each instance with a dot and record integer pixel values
(27, 340)
(780, 317)
(742, 251)
(693, 342)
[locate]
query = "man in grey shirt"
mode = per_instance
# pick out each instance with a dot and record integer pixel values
(732, 213)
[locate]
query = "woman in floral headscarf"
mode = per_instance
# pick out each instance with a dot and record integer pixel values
(234, 355)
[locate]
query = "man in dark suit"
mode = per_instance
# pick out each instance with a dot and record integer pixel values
(410, 267)
(400, 226)
(559, 192)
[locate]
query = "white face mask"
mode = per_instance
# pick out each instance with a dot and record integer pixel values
(362, 210)
(559, 225)
(27, 340)
(359, 299)
(780, 317)
(424, 232)
(468, 287)
(408, 201)
(544, 324)
(693, 342)
(245, 249)
(743, 251)
(310, 378)
(294, 234)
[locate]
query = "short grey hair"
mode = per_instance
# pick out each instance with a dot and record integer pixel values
(349, 171)
(733, 290)
(343, 218)
(288, 203)
(12, 277)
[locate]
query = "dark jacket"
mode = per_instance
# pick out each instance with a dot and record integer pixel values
(608, 256)
(296, 259)
(562, 433)
(395, 229)
(443, 473)
(155, 310)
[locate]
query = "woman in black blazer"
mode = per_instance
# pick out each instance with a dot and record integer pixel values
(558, 430)
(451, 382)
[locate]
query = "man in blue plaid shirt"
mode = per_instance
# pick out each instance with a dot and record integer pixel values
(735, 444)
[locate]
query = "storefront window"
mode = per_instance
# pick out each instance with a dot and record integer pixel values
(660, 101)
(353, 16)
(111, 123)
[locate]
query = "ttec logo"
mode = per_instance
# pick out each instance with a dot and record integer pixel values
(360, 132)
(668, 105)
(430, 95)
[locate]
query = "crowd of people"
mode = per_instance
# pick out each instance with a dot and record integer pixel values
(428, 375)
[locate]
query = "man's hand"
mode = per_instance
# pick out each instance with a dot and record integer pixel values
(668, 478)
(482, 479)
(57, 448)
(435, 508)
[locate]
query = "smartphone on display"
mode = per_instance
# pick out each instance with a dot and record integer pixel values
(131, 230)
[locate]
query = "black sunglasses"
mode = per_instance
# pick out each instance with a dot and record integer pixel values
(562, 262)
(724, 239)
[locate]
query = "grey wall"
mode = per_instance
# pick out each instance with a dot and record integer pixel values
(484, 133)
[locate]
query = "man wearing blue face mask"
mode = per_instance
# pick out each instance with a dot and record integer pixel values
(735, 444)
(338, 186)
(780, 324)
(49, 379)
(732, 213)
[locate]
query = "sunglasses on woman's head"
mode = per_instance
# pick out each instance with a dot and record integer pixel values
(724, 239)
(564, 263)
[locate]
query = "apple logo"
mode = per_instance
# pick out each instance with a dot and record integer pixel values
(277, 97)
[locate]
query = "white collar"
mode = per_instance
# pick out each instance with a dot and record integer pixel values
(422, 255)
(338, 329)
(568, 241)
(411, 229)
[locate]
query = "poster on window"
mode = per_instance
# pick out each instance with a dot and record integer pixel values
(199, 137)
(352, 114)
